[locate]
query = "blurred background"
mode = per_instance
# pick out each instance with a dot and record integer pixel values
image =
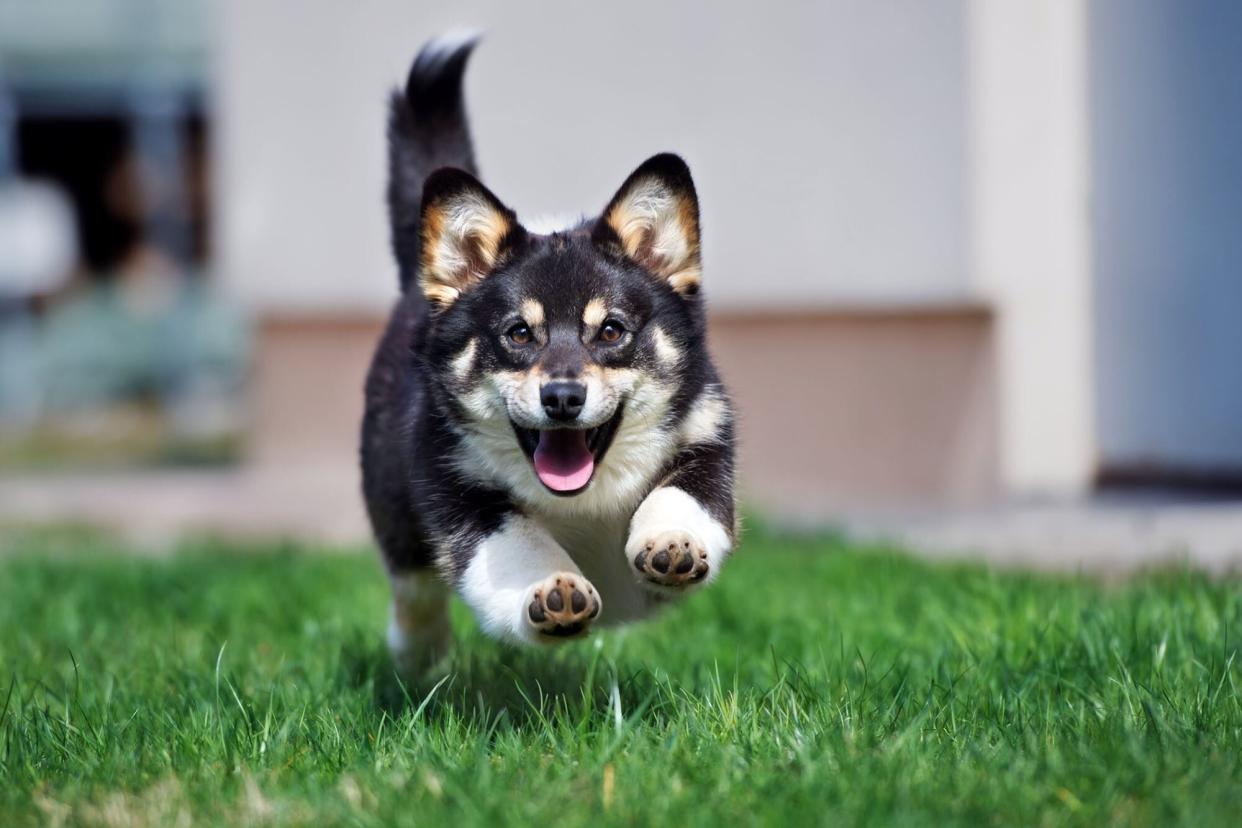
(974, 268)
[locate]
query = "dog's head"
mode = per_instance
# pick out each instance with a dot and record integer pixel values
(554, 349)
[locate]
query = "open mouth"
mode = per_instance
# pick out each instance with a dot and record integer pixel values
(565, 458)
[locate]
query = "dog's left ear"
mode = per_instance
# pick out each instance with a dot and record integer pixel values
(654, 219)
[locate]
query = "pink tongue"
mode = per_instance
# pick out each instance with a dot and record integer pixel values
(562, 460)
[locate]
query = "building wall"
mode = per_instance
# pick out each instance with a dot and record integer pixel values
(1167, 195)
(849, 411)
(827, 139)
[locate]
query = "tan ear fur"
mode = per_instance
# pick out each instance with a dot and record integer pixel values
(655, 216)
(464, 230)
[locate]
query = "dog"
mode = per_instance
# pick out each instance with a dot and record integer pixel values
(544, 429)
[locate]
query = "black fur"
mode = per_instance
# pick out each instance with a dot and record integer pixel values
(425, 508)
(427, 128)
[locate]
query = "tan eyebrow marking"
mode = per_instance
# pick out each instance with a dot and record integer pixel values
(532, 312)
(595, 313)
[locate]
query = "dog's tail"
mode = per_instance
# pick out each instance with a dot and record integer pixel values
(427, 129)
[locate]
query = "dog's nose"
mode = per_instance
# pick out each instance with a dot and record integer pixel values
(563, 400)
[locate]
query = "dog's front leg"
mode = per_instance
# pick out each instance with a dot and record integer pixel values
(683, 530)
(522, 586)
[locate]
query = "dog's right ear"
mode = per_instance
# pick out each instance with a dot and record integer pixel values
(466, 232)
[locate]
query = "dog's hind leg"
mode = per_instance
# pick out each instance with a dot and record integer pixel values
(418, 630)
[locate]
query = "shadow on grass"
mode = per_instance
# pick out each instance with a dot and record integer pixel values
(485, 683)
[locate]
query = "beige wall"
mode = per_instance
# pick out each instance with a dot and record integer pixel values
(853, 410)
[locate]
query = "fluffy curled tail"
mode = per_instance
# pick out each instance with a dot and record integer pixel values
(427, 129)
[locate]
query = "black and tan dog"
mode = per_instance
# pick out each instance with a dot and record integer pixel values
(544, 429)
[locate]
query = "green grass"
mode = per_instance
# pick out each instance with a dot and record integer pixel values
(814, 683)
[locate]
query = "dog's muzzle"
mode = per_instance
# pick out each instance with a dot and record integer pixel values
(565, 457)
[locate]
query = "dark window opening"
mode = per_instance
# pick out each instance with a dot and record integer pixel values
(126, 202)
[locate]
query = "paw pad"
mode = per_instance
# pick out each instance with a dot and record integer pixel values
(563, 605)
(674, 558)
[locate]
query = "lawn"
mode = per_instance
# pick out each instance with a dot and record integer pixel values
(814, 683)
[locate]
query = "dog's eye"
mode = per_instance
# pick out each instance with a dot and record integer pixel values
(520, 334)
(611, 331)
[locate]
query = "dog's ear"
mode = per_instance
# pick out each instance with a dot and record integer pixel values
(466, 232)
(654, 219)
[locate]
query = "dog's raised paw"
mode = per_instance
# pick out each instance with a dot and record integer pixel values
(672, 558)
(563, 605)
